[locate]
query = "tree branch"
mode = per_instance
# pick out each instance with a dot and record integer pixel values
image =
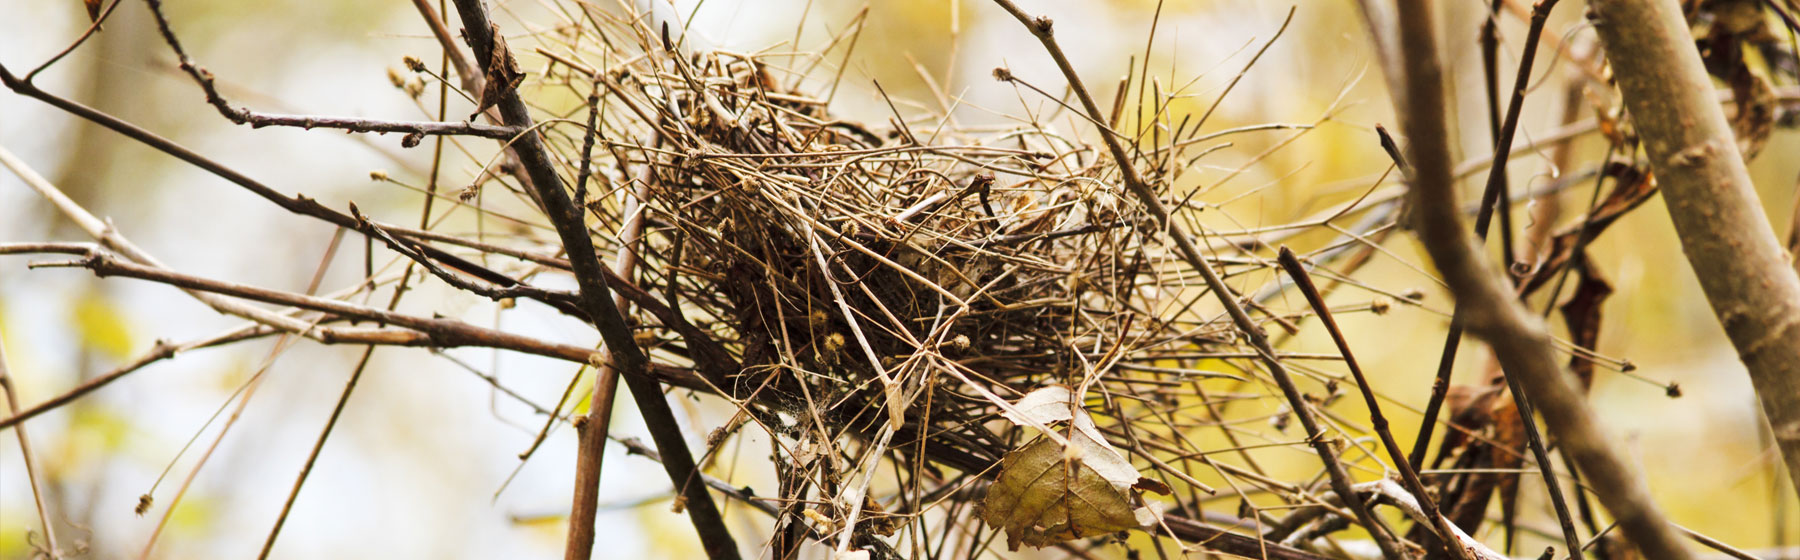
(112, 239)
(1379, 422)
(298, 204)
(590, 275)
(1043, 29)
(418, 331)
(31, 470)
(161, 350)
(472, 80)
(591, 451)
(257, 119)
(1519, 339)
(1724, 232)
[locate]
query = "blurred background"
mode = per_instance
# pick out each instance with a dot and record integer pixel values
(425, 462)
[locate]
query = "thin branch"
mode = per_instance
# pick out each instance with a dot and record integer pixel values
(590, 275)
(159, 351)
(255, 119)
(1232, 543)
(1716, 544)
(312, 458)
(31, 471)
(1519, 339)
(472, 80)
(1496, 190)
(362, 364)
(591, 451)
(1042, 28)
(93, 27)
(1408, 474)
(243, 396)
(411, 251)
(112, 239)
(299, 204)
(1490, 77)
(1409, 502)
(418, 331)
(635, 447)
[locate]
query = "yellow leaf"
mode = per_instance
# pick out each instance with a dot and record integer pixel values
(102, 327)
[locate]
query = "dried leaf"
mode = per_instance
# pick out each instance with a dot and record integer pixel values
(1041, 498)
(1736, 27)
(1756, 111)
(1634, 187)
(1046, 406)
(1153, 485)
(93, 9)
(1582, 315)
(1464, 497)
(502, 71)
(1509, 433)
(1048, 493)
(877, 520)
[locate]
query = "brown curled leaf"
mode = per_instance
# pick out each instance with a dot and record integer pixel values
(1152, 485)
(1633, 188)
(503, 73)
(1048, 492)
(1582, 315)
(1756, 111)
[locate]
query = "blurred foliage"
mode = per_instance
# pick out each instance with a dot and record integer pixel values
(102, 326)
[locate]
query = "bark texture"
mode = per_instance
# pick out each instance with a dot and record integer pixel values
(1725, 234)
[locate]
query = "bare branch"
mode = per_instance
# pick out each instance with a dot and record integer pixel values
(590, 275)
(257, 119)
(471, 78)
(1519, 339)
(160, 351)
(592, 447)
(418, 331)
(1042, 28)
(1408, 473)
(112, 239)
(31, 472)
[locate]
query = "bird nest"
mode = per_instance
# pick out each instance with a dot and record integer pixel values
(882, 292)
(830, 259)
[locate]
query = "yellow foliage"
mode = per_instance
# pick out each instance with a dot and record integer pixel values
(102, 327)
